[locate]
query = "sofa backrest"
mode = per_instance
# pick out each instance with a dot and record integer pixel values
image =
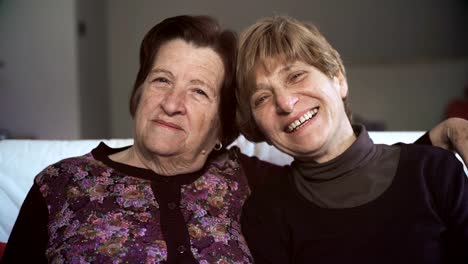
(22, 160)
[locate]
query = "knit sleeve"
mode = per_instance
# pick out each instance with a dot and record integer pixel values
(450, 189)
(264, 232)
(29, 236)
(258, 171)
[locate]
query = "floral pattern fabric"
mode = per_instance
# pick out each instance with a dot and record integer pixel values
(98, 214)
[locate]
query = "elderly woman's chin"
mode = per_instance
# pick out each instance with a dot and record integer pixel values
(164, 143)
(161, 142)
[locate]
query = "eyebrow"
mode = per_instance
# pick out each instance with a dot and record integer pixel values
(194, 81)
(157, 70)
(286, 68)
(282, 70)
(259, 87)
(200, 82)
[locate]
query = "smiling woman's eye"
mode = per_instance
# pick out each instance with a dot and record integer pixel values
(260, 99)
(295, 77)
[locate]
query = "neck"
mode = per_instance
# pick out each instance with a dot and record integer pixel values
(167, 166)
(343, 139)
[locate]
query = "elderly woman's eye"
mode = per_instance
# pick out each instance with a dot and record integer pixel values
(201, 92)
(161, 80)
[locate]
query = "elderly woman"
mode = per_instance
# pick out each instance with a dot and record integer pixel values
(344, 199)
(175, 196)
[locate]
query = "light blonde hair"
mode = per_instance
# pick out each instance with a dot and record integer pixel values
(285, 38)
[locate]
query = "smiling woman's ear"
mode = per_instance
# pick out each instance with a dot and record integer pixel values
(343, 84)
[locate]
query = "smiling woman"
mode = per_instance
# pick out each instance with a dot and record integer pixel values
(319, 112)
(343, 198)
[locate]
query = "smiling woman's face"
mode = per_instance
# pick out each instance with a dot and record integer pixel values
(178, 110)
(300, 110)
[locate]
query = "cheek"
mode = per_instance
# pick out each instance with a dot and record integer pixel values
(204, 116)
(146, 109)
(207, 128)
(262, 119)
(215, 120)
(256, 118)
(149, 101)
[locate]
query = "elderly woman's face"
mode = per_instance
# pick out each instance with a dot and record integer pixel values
(298, 108)
(178, 109)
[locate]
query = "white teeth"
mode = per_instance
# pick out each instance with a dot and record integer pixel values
(305, 117)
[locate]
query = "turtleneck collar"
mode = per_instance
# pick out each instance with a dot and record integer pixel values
(358, 154)
(355, 177)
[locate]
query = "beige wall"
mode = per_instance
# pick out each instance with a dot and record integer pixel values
(38, 79)
(53, 81)
(93, 75)
(54, 84)
(410, 96)
(379, 41)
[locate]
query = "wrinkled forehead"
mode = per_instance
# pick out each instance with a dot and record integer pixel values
(260, 67)
(268, 66)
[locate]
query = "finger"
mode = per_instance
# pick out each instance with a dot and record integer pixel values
(458, 135)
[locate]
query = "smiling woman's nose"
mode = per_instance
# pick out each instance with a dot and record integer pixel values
(285, 103)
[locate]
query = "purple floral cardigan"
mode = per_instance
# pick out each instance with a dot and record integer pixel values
(102, 211)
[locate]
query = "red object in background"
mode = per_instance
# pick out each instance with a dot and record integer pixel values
(2, 249)
(458, 107)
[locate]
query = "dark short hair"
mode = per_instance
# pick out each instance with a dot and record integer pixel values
(201, 31)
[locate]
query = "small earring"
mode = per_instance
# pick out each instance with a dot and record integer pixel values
(203, 152)
(218, 146)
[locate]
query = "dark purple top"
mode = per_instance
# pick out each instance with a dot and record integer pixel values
(92, 209)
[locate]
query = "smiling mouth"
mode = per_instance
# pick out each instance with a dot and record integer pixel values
(301, 121)
(168, 124)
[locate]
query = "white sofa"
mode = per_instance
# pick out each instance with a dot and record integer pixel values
(21, 160)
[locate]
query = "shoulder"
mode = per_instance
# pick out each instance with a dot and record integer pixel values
(257, 171)
(429, 156)
(276, 190)
(265, 208)
(251, 161)
(438, 168)
(67, 167)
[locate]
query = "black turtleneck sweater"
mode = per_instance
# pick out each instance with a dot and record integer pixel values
(359, 175)
(372, 204)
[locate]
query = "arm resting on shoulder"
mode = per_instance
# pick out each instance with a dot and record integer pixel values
(264, 234)
(451, 134)
(259, 172)
(450, 187)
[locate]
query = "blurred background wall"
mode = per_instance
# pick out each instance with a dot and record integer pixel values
(67, 66)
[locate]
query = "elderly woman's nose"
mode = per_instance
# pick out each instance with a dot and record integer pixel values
(285, 103)
(174, 102)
